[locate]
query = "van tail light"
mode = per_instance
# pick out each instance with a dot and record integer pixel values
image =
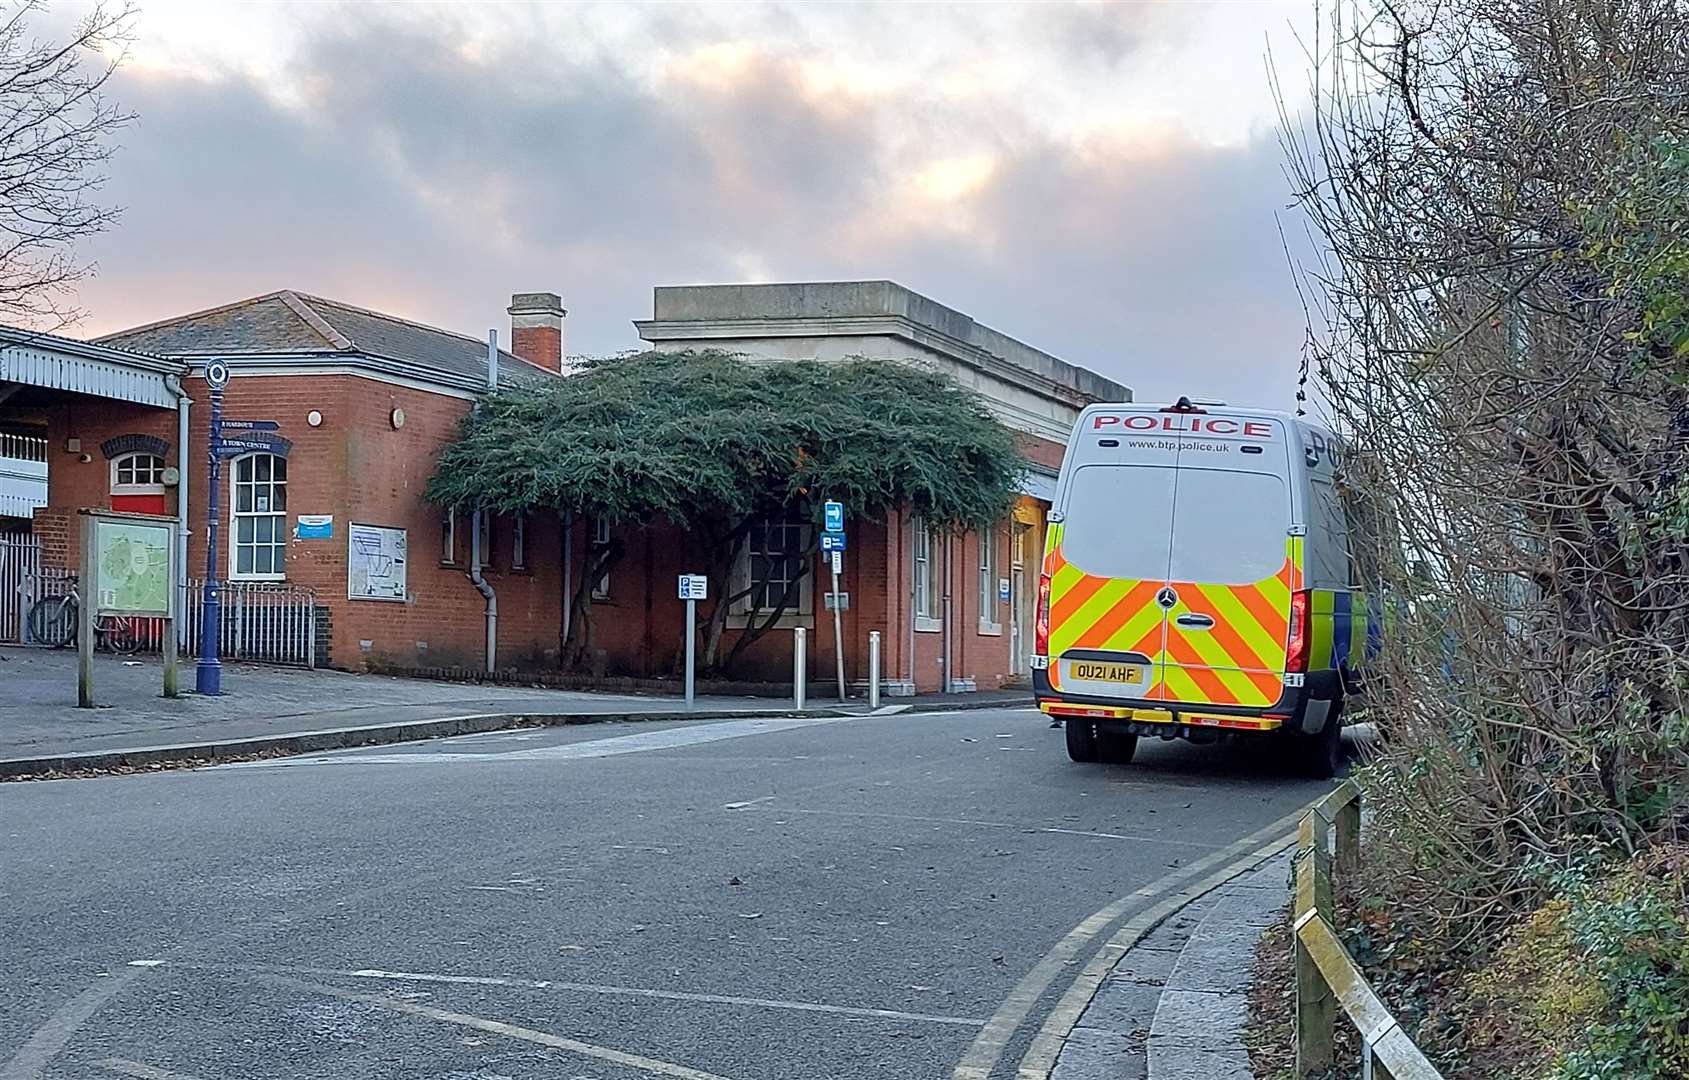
(1296, 652)
(1041, 623)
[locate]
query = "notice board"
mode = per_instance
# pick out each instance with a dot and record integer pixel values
(375, 563)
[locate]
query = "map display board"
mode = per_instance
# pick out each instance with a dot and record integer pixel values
(375, 563)
(132, 561)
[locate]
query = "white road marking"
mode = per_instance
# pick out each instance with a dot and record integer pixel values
(497, 1027)
(748, 802)
(665, 739)
(1002, 825)
(987, 1049)
(125, 1067)
(51, 1037)
(666, 995)
(588, 988)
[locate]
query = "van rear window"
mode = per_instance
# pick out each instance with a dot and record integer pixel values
(1117, 519)
(1229, 528)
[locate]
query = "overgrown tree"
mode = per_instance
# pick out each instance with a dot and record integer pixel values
(56, 127)
(714, 444)
(1501, 330)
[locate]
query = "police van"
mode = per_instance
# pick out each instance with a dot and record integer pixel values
(1198, 584)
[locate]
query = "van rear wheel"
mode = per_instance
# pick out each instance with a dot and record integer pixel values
(1081, 740)
(1117, 747)
(1320, 756)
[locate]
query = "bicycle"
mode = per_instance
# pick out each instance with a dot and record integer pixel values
(53, 622)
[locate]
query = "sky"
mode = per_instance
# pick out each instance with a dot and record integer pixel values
(1102, 181)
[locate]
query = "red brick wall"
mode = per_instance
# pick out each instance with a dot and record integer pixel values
(541, 346)
(73, 483)
(1041, 451)
(357, 467)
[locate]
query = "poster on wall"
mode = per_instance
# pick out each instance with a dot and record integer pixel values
(375, 563)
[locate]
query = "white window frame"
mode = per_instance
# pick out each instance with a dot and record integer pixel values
(924, 570)
(278, 517)
(519, 541)
(989, 620)
(598, 537)
(152, 487)
(448, 538)
(485, 528)
(801, 613)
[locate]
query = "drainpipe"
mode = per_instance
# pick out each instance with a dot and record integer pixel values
(475, 531)
(949, 683)
(174, 384)
(568, 572)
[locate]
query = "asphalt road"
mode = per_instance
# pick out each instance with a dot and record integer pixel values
(903, 896)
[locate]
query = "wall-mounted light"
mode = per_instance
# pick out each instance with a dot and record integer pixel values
(314, 418)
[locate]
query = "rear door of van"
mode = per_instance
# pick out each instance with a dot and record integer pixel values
(1108, 558)
(1232, 564)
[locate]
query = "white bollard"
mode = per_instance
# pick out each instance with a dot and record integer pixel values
(799, 667)
(873, 669)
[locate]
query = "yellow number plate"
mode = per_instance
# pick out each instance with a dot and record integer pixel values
(1096, 671)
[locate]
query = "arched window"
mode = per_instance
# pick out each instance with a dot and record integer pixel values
(137, 474)
(258, 517)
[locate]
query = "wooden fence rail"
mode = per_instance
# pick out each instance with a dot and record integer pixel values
(1326, 976)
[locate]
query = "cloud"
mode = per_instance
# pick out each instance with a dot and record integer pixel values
(431, 167)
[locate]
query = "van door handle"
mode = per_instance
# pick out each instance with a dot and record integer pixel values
(1195, 620)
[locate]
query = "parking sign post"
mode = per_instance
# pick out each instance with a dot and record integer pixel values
(692, 588)
(833, 542)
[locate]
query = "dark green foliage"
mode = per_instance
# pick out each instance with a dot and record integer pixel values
(708, 435)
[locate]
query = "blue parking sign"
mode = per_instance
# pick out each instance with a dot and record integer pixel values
(833, 541)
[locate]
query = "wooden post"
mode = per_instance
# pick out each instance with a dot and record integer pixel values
(85, 600)
(168, 645)
(1349, 837)
(1316, 1005)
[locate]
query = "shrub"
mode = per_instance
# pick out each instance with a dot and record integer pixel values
(1595, 984)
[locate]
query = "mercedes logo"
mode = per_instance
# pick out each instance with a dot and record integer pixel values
(1167, 597)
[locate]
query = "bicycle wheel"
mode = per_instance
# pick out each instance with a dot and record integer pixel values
(52, 621)
(123, 636)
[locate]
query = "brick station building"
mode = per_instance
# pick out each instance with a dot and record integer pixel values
(362, 403)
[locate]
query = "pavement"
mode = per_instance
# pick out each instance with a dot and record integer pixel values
(290, 709)
(1198, 1029)
(913, 895)
(1175, 1003)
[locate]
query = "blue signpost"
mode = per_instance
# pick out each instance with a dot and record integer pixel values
(208, 676)
(833, 543)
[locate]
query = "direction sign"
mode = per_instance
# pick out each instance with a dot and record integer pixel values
(833, 516)
(236, 447)
(251, 425)
(694, 587)
(833, 541)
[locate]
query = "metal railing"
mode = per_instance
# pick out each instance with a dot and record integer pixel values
(267, 621)
(20, 560)
(23, 447)
(273, 622)
(1326, 975)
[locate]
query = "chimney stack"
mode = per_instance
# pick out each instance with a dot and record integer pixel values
(536, 328)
